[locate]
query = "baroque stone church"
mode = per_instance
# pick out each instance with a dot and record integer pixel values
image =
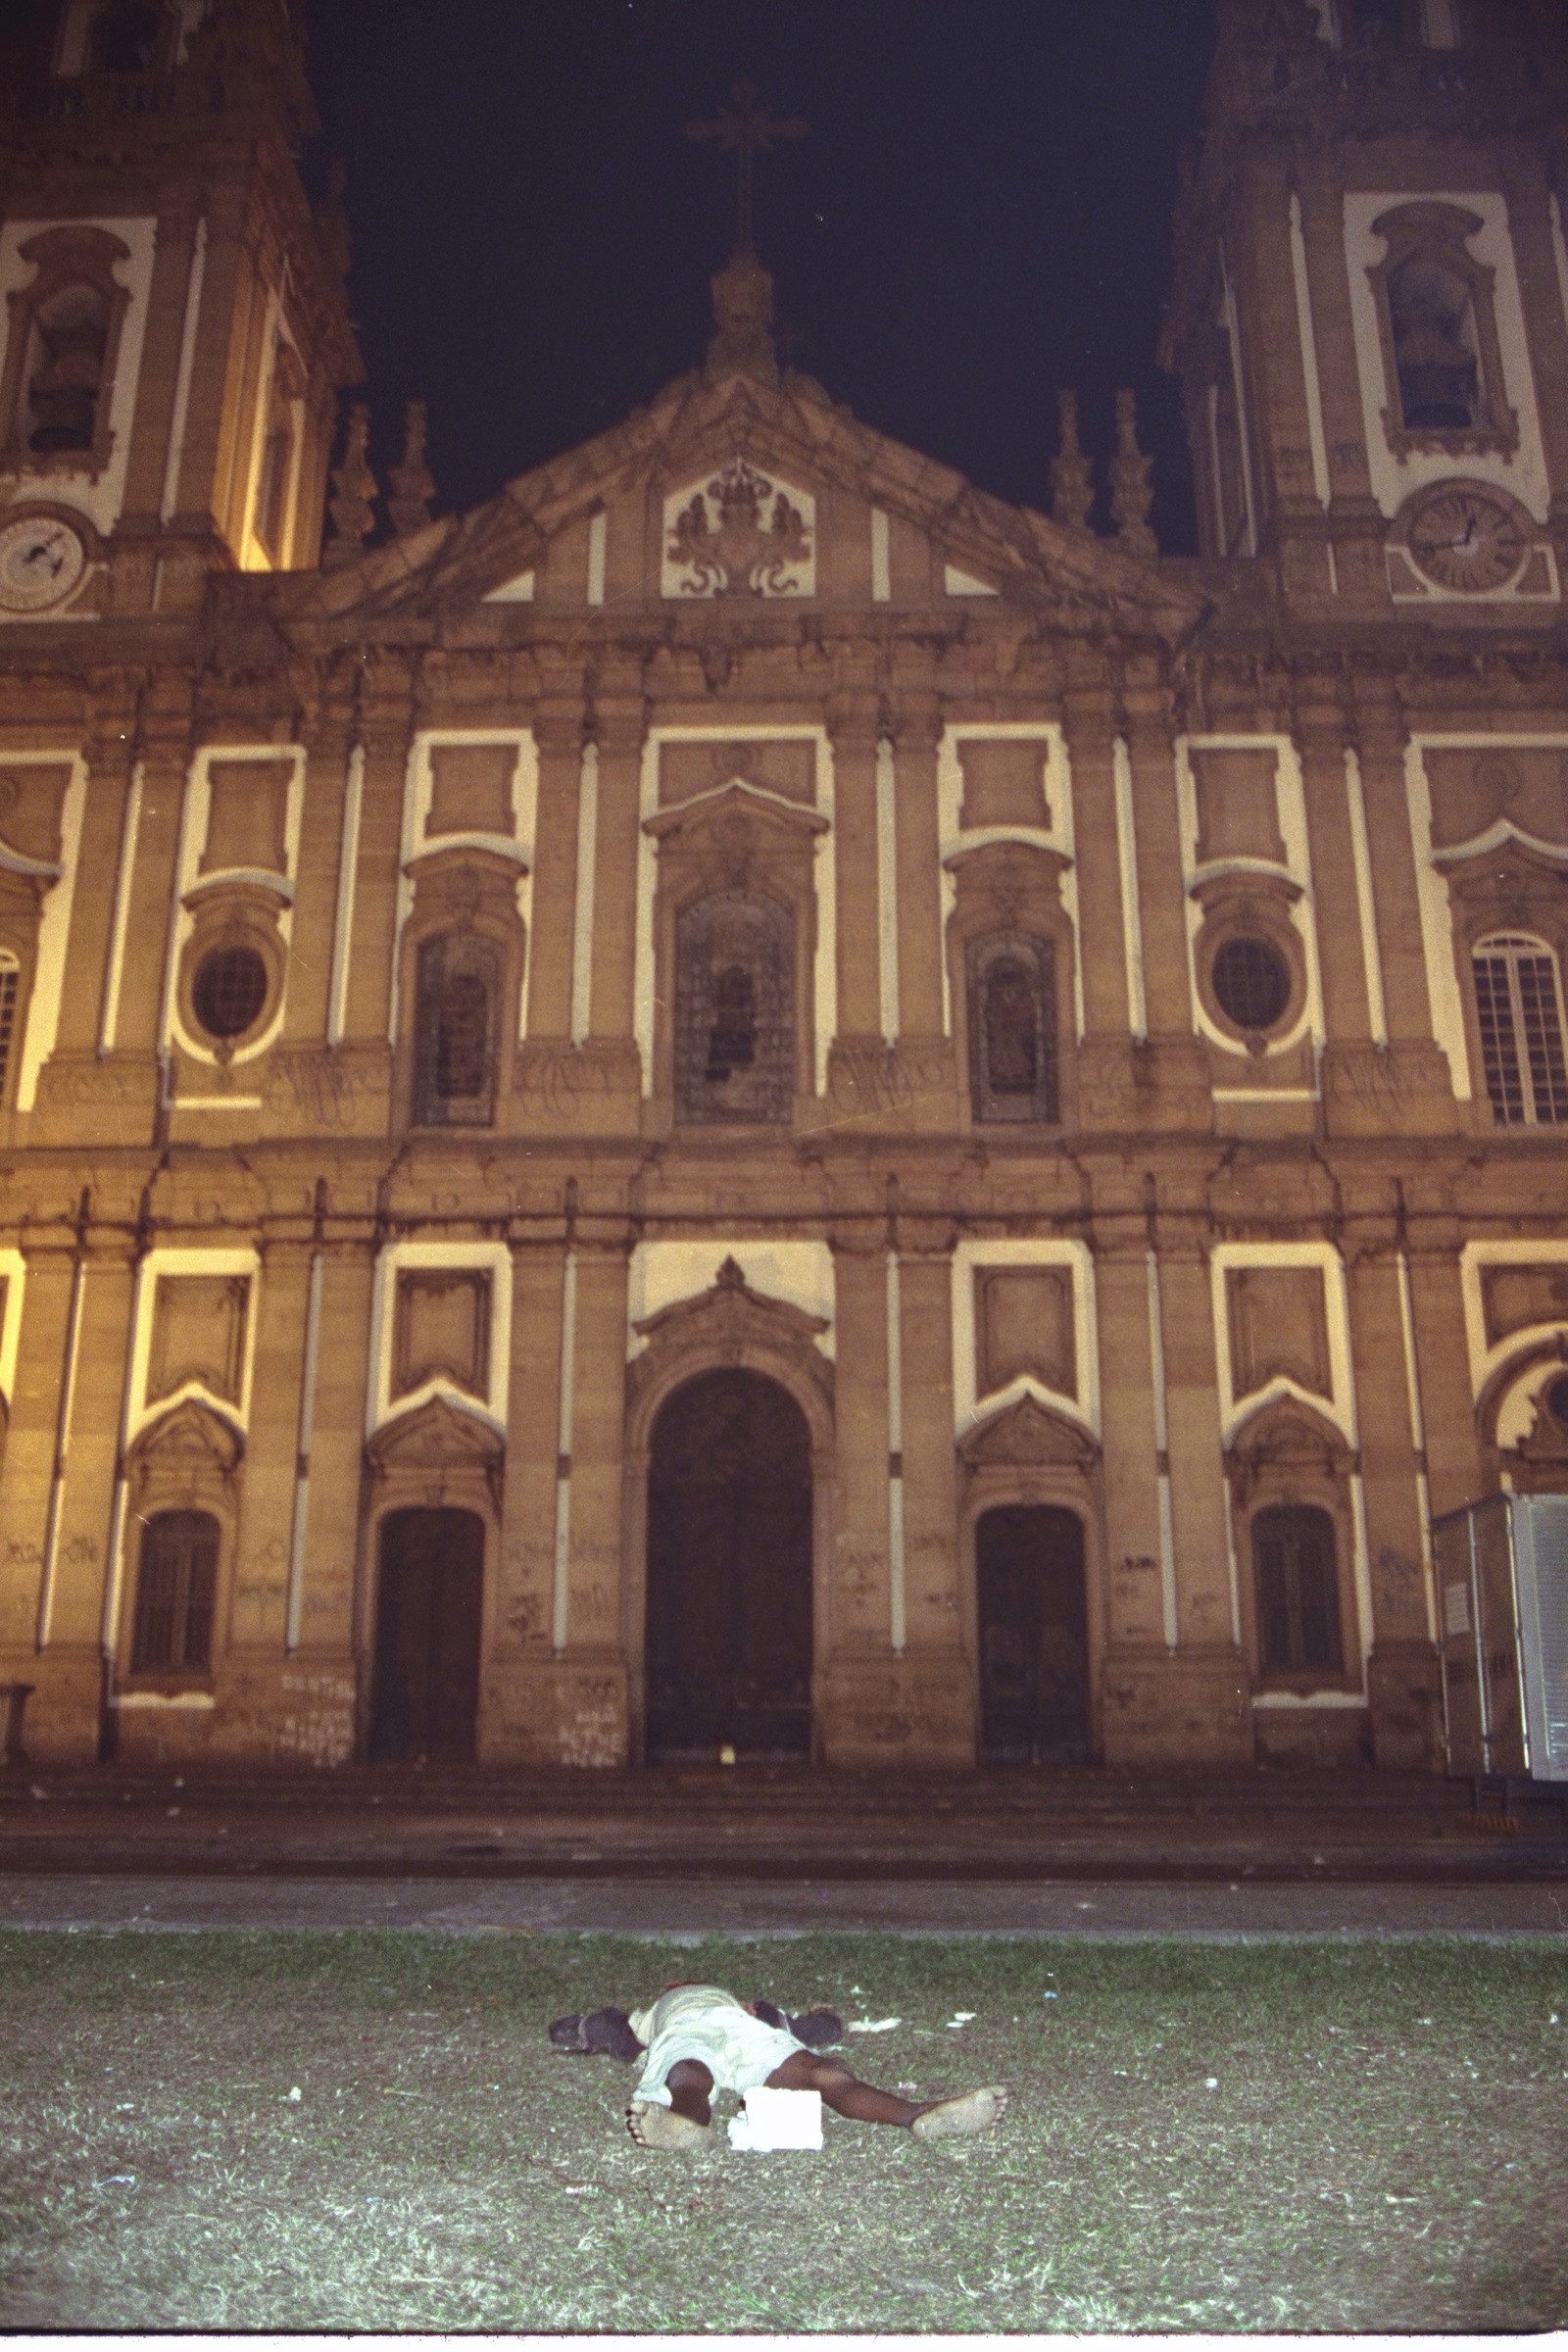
(746, 1104)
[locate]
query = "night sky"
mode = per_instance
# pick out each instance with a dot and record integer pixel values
(982, 212)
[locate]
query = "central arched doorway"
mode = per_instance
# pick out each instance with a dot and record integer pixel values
(1034, 1635)
(729, 1572)
(426, 1700)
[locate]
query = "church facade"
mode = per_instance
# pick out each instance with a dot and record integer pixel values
(747, 1102)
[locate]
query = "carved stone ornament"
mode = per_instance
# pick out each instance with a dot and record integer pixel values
(731, 1324)
(1290, 1448)
(182, 1458)
(439, 1450)
(1027, 1435)
(741, 534)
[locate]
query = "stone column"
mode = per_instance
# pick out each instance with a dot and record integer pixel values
(1091, 728)
(590, 1680)
(619, 725)
(1419, 1076)
(938, 1679)
(558, 732)
(516, 1707)
(1403, 1690)
(1173, 1070)
(259, 1584)
(63, 1722)
(855, 727)
(1436, 1302)
(337, 1568)
(928, 1071)
(861, 1609)
(1208, 1716)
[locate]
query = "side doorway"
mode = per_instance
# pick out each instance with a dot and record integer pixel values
(425, 1698)
(1034, 1635)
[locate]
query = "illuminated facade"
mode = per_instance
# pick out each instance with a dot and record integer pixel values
(744, 1099)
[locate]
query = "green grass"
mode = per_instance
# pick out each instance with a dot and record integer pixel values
(1282, 2138)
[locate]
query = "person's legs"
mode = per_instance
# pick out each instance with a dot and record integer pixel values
(684, 2123)
(862, 2103)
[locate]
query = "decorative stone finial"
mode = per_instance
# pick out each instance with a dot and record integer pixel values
(1072, 480)
(742, 322)
(1130, 491)
(413, 483)
(352, 516)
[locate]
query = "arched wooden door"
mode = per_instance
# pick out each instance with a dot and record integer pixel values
(425, 1698)
(1034, 1635)
(729, 1572)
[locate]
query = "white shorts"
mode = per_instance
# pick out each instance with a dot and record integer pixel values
(701, 2022)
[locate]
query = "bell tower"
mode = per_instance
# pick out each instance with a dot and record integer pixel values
(174, 320)
(1370, 311)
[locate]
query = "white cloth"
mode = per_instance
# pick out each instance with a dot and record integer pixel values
(703, 2022)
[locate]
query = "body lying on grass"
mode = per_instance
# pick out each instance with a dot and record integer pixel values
(697, 2039)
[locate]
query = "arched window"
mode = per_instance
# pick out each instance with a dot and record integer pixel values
(1437, 322)
(65, 361)
(1519, 1013)
(10, 990)
(1012, 1030)
(1434, 346)
(1298, 1590)
(176, 1585)
(734, 1010)
(129, 37)
(458, 994)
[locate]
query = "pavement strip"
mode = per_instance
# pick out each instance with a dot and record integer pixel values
(691, 1909)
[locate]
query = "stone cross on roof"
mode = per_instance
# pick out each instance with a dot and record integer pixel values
(746, 129)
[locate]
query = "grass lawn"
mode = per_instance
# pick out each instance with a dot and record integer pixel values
(1297, 2136)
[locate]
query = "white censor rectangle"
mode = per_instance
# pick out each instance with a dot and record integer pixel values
(778, 2118)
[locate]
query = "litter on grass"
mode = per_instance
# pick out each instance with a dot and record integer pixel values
(872, 2025)
(961, 2016)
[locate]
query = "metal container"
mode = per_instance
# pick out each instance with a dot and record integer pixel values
(1503, 1594)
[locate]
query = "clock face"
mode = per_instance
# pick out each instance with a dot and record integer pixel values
(1466, 538)
(41, 560)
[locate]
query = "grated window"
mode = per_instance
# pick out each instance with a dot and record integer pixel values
(1251, 982)
(175, 1581)
(231, 991)
(1298, 1590)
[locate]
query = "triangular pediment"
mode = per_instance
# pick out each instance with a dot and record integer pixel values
(738, 494)
(1028, 1435)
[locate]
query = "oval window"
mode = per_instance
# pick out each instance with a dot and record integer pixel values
(1251, 982)
(229, 992)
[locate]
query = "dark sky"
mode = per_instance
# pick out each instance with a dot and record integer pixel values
(981, 213)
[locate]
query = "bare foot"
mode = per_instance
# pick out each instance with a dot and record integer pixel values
(975, 2111)
(653, 2127)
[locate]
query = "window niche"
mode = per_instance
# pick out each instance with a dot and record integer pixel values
(463, 967)
(1011, 952)
(132, 36)
(734, 1010)
(61, 349)
(735, 934)
(271, 520)
(1289, 1470)
(184, 1475)
(1437, 319)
